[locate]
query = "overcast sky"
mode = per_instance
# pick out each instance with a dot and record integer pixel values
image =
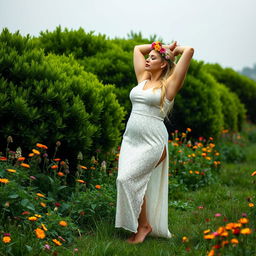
(221, 31)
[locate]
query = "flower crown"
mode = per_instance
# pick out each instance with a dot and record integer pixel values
(157, 46)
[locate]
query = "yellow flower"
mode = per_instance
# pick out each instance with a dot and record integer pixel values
(41, 195)
(4, 181)
(6, 239)
(234, 241)
(251, 205)
(40, 233)
(243, 220)
(184, 239)
(44, 227)
(57, 242)
(10, 170)
(35, 151)
(246, 231)
(63, 223)
(208, 158)
(38, 215)
(207, 231)
(190, 172)
(217, 154)
(32, 218)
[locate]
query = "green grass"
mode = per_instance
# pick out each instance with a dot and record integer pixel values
(229, 197)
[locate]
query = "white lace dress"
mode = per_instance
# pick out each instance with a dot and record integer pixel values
(142, 146)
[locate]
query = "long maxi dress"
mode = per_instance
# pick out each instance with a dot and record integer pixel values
(142, 146)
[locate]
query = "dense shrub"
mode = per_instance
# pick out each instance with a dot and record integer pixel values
(243, 86)
(198, 105)
(233, 110)
(50, 98)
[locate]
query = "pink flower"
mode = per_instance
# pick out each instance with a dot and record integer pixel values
(200, 207)
(162, 50)
(217, 214)
(47, 247)
(244, 214)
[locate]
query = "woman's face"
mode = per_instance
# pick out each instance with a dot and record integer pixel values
(154, 61)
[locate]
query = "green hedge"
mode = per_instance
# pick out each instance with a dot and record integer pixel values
(50, 98)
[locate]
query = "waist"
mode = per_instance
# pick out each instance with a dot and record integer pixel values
(146, 114)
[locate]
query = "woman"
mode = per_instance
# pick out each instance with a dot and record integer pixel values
(142, 181)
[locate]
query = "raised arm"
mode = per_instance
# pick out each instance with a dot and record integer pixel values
(139, 61)
(176, 80)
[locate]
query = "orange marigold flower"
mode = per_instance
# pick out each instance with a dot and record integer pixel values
(38, 215)
(22, 158)
(203, 154)
(39, 145)
(3, 180)
(25, 165)
(230, 226)
(61, 174)
(210, 236)
(189, 130)
(83, 167)
(177, 138)
(197, 172)
(63, 223)
(10, 170)
(41, 195)
(6, 239)
(211, 253)
(211, 145)
(33, 218)
(207, 231)
(251, 204)
(93, 168)
(31, 154)
(234, 241)
(217, 154)
(40, 233)
(80, 181)
(57, 242)
(2, 158)
(35, 151)
(254, 173)
(56, 159)
(246, 231)
(98, 186)
(54, 166)
(223, 243)
(243, 220)
(43, 204)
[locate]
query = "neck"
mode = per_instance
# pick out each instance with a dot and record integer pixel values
(155, 76)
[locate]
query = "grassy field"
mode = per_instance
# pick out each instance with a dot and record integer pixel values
(194, 213)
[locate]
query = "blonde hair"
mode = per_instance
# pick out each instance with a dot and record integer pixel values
(166, 73)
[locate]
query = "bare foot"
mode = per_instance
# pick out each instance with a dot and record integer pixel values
(141, 234)
(131, 238)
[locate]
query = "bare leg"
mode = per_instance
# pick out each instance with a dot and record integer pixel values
(144, 227)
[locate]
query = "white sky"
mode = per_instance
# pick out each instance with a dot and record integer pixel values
(221, 31)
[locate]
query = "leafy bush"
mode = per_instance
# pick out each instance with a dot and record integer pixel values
(50, 98)
(243, 86)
